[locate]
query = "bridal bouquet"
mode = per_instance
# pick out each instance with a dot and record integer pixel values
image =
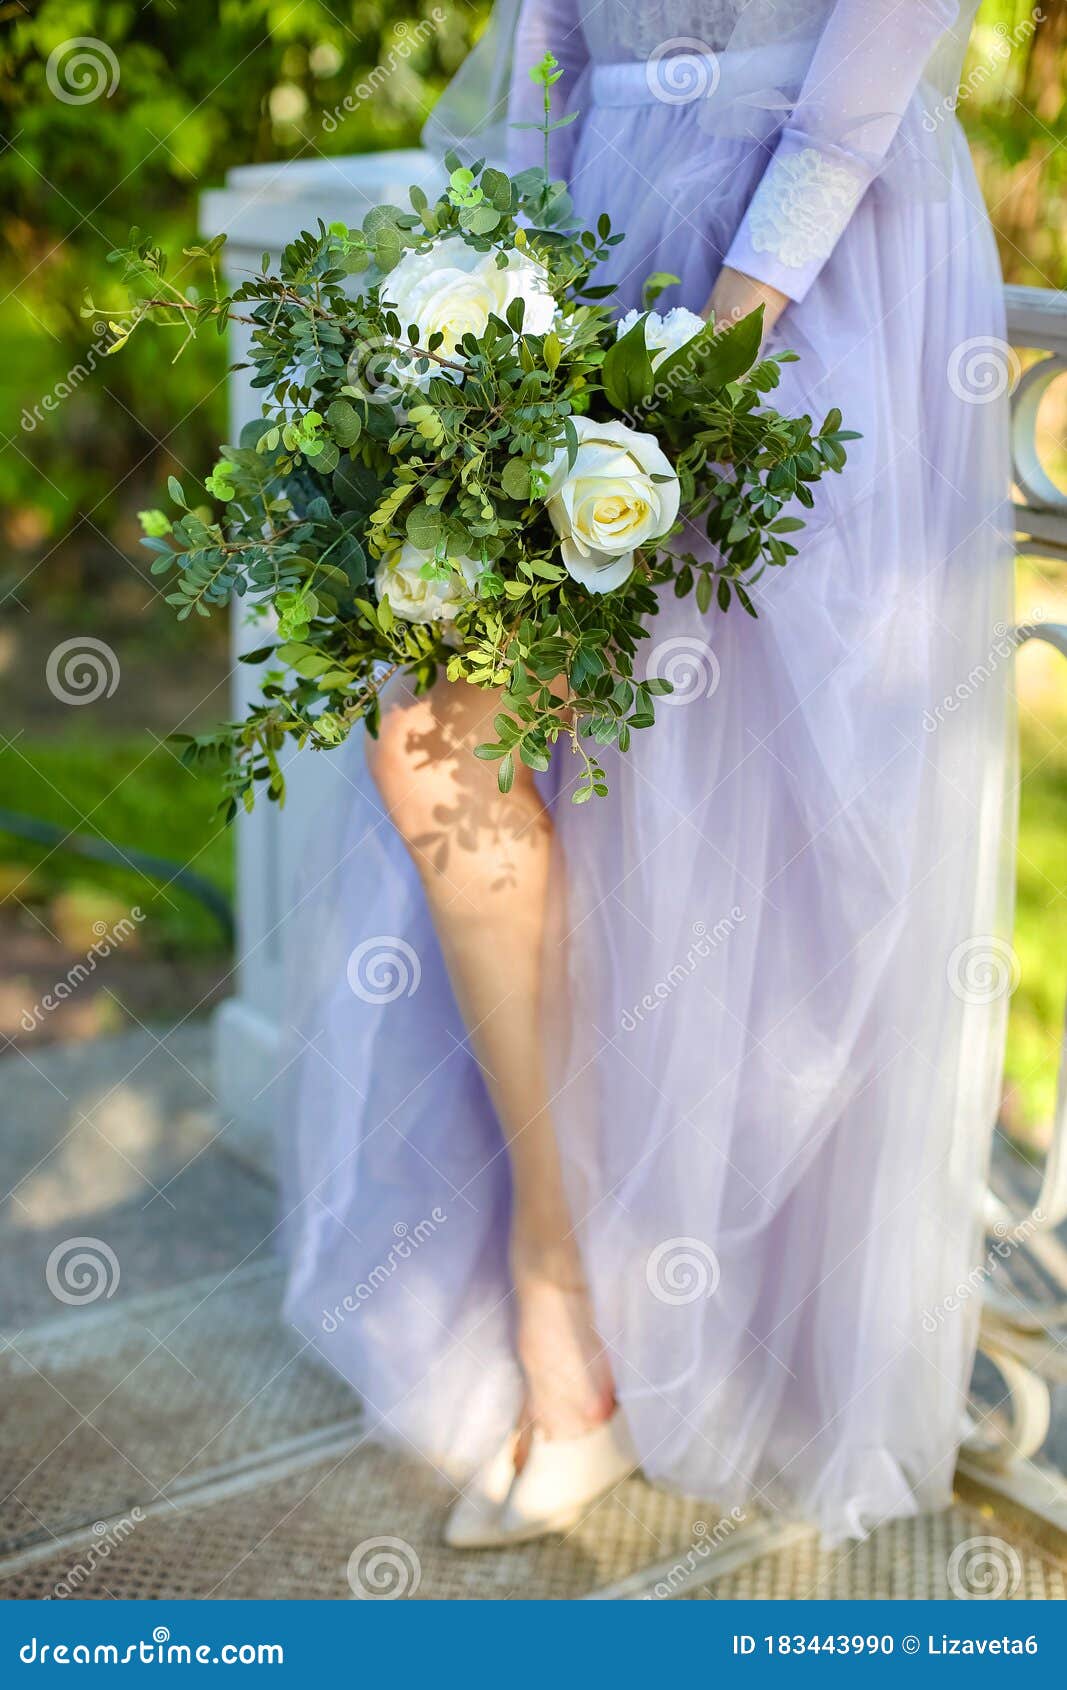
(466, 464)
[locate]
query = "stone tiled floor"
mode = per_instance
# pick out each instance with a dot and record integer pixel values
(162, 1433)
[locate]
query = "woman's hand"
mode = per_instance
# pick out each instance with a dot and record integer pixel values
(735, 295)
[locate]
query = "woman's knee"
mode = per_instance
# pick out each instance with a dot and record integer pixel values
(423, 752)
(427, 775)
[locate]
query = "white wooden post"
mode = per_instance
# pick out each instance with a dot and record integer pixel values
(261, 208)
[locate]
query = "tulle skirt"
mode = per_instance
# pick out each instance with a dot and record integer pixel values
(777, 950)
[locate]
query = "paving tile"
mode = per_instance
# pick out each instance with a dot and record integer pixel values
(118, 1142)
(100, 1413)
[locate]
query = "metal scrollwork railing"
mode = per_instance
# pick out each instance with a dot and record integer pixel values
(1024, 1341)
(1050, 1207)
(1037, 321)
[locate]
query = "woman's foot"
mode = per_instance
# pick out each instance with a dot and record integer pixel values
(569, 1387)
(474, 1519)
(571, 1445)
(559, 1479)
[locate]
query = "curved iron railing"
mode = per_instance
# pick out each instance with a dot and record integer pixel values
(144, 862)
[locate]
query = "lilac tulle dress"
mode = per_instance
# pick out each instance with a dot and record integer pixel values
(774, 1045)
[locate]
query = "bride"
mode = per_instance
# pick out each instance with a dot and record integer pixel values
(652, 1132)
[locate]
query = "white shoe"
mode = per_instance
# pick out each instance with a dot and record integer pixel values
(560, 1479)
(472, 1519)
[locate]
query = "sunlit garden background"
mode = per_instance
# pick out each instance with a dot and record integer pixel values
(198, 87)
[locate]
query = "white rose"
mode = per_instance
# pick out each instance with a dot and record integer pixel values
(525, 280)
(415, 598)
(452, 290)
(608, 504)
(664, 335)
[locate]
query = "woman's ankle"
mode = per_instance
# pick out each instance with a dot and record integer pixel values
(554, 1260)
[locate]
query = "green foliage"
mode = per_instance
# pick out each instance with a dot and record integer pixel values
(1013, 106)
(449, 452)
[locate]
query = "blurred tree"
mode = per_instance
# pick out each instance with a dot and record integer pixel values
(1013, 104)
(118, 112)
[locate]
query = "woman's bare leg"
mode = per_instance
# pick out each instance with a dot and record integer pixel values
(484, 863)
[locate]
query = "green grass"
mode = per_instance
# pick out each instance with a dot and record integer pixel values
(130, 791)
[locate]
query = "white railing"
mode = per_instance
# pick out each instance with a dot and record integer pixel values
(261, 208)
(1022, 1341)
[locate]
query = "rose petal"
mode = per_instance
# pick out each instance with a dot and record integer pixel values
(598, 572)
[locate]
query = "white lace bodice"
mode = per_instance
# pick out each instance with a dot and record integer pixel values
(649, 27)
(644, 28)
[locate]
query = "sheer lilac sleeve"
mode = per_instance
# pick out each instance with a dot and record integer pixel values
(865, 70)
(545, 26)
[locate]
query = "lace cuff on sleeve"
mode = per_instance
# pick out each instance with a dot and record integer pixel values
(799, 211)
(866, 68)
